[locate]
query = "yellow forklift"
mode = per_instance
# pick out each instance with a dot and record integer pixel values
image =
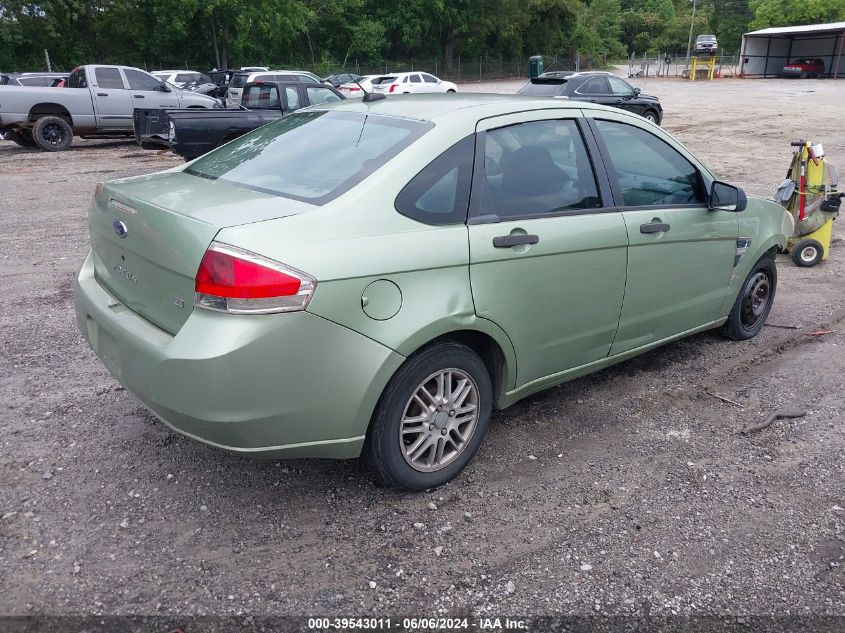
(811, 196)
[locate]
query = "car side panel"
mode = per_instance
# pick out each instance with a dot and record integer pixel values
(768, 225)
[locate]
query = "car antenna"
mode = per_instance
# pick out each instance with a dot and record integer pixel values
(370, 96)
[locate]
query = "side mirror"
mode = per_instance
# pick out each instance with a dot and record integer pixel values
(163, 87)
(636, 92)
(725, 197)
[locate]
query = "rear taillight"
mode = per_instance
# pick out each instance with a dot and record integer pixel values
(233, 280)
(393, 87)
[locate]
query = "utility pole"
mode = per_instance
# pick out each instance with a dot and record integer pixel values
(47, 59)
(691, 27)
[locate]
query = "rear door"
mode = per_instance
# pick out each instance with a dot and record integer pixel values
(547, 249)
(681, 253)
(149, 92)
(596, 90)
(112, 100)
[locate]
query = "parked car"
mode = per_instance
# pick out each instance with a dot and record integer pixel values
(706, 44)
(240, 79)
(98, 100)
(192, 133)
(342, 78)
(45, 80)
(404, 83)
(358, 89)
(596, 87)
(182, 79)
(804, 67)
(377, 277)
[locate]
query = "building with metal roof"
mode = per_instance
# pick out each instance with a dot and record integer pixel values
(764, 53)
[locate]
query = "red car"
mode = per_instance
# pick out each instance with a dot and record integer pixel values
(804, 67)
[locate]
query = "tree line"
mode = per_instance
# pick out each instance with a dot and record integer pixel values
(330, 35)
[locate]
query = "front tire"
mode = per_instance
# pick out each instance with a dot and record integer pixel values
(754, 302)
(807, 253)
(52, 134)
(431, 418)
(651, 116)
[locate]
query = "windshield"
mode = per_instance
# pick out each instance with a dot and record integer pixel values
(545, 89)
(310, 156)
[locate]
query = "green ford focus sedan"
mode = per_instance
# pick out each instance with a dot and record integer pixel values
(374, 278)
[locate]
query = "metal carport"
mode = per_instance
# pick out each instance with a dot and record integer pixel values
(764, 53)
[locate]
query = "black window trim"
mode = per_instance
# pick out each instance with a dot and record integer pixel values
(614, 180)
(456, 221)
(476, 196)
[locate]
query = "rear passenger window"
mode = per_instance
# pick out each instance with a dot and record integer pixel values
(292, 95)
(108, 78)
(439, 194)
(416, 79)
(595, 86)
(537, 168)
(650, 172)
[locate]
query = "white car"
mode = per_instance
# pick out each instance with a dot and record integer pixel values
(182, 78)
(352, 90)
(416, 82)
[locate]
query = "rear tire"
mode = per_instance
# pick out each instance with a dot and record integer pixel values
(451, 90)
(431, 418)
(754, 302)
(22, 138)
(807, 253)
(52, 134)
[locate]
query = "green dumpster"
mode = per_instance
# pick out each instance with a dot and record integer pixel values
(535, 66)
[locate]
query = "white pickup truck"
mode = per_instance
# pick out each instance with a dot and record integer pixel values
(97, 101)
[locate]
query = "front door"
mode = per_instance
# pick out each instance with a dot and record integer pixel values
(681, 253)
(111, 99)
(547, 250)
(624, 96)
(149, 92)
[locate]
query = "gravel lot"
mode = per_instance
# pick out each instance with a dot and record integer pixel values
(626, 492)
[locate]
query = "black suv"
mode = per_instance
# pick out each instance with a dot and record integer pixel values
(596, 87)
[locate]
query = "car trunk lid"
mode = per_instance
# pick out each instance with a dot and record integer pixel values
(149, 234)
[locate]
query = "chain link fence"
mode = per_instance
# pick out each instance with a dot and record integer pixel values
(461, 69)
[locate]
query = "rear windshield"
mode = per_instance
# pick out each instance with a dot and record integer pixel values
(310, 156)
(545, 89)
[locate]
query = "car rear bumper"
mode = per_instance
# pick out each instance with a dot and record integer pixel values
(284, 385)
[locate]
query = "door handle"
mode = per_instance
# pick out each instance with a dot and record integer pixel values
(102, 94)
(654, 227)
(516, 239)
(139, 96)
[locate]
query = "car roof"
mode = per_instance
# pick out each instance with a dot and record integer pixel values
(438, 107)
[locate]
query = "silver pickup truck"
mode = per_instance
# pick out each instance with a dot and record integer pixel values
(97, 101)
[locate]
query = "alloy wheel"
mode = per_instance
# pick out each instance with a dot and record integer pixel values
(54, 134)
(439, 420)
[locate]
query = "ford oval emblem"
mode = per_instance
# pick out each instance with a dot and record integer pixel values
(120, 229)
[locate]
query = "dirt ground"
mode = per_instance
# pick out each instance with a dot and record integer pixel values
(626, 492)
